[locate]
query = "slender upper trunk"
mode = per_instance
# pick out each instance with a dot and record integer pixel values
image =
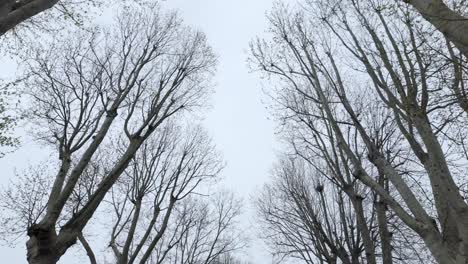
(363, 228)
(88, 249)
(384, 233)
(126, 248)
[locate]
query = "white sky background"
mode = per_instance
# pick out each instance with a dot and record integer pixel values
(237, 121)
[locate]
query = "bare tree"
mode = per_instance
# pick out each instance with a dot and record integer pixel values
(386, 47)
(229, 259)
(312, 219)
(21, 209)
(306, 220)
(153, 218)
(120, 83)
(215, 232)
(160, 213)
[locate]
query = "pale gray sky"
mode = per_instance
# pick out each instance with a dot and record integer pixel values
(237, 122)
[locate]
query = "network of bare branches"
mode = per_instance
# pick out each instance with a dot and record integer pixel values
(373, 99)
(118, 84)
(370, 97)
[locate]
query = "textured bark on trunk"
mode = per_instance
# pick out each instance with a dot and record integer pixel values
(439, 250)
(41, 246)
(451, 207)
(453, 25)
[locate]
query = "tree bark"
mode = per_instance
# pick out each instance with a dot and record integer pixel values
(384, 233)
(18, 13)
(88, 249)
(369, 247)
(453, 25)
(41, 246)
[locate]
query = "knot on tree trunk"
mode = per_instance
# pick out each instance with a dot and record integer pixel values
(372, 156)
(319, 188)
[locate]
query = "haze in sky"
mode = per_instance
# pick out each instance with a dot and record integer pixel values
(238, 120)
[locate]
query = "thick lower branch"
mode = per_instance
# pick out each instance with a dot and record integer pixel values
(24, 12)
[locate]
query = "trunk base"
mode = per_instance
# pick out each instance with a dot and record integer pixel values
(41, 245)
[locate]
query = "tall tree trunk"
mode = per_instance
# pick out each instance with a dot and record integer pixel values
(451, 207)
(363, 228)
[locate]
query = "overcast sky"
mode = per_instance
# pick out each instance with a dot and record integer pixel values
(238, 120)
